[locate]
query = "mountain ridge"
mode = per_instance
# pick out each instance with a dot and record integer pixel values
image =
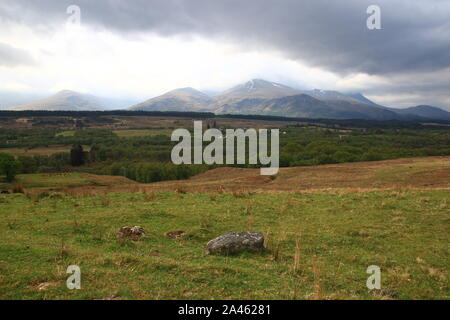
(425, 111)
(259, 96)
(63, 100)
(59, 102)
(181, 99)
(256, 96)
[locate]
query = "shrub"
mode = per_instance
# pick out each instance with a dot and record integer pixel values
(8, 166)
(18, 188)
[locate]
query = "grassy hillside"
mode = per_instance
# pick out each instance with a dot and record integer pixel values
(399, 174)
(334, 220)
(337, 235)
(41, 182)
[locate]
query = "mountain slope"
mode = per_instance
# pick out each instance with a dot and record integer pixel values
(424, 111)
(262, 97)
(360, 97)
(356, 106)
(301, 105)
(248, 97)
(254, 89)
(11, 98)
(65, 100)
(305, 106)
(183, 99)
(330, 95)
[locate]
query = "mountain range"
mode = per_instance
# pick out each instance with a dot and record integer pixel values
(67, 100)
(256, 96)
(263, 97)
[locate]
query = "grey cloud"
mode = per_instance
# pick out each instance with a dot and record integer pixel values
(323, 33)
(431, 88)
(13, 57)
(330, 34)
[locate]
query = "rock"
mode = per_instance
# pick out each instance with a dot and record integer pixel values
(389, 293)
(134, 233)
(175, 234)
(236, 242)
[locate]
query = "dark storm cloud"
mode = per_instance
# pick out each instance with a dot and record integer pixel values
(413, 45)
(332, 34)
(13, 57)
(428, 88)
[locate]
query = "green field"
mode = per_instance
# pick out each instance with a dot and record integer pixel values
(126, 133)
(49, 181)
(142, 133)
(68, 133)
(40, 151)
(337, 235)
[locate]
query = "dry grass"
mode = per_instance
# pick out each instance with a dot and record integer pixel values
(18, 188)
(297, 256)
(400, 175)
(69, 182)
(316, 273)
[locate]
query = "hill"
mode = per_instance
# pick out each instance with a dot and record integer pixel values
(424, 111)
(407, 173)
(12, 98)
(65, 100)
(183, 99)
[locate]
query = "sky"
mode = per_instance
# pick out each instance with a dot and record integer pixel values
(139, 49)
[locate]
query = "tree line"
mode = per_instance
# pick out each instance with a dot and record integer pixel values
(147, 158)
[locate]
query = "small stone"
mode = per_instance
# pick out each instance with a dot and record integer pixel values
(236, 242)
(389, 293)
(134, 233)
(175, 234)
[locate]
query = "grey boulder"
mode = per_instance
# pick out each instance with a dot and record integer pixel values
(236, 242)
